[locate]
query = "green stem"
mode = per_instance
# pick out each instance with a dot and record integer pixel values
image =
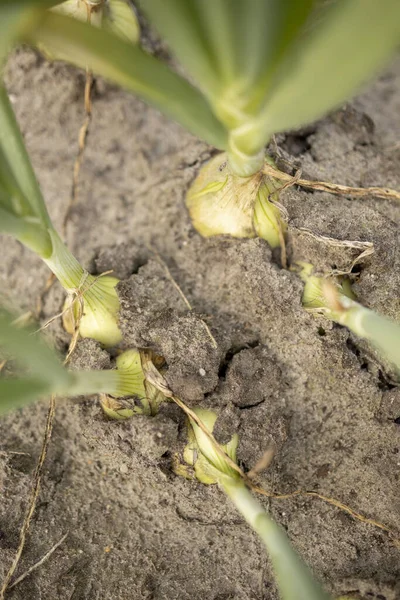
(94, 382)
(64, 265)
(380, 331)
(244, 162)
(115, 382)
(27, 230)
(17, 159)
(245, 165)
(295, 580)
(99, 319)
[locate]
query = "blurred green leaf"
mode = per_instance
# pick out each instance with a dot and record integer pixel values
(116, 16)
(31, 351)
(383, 333)
(16, 16)
(28, 232)
(350, 42)
(48, 376)
(180, 24)
(11, 195)
(15, 158)
(133, 69)
(231, 47)
(15, 393)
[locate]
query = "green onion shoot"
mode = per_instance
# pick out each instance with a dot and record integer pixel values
(336, 302)
(294, 579)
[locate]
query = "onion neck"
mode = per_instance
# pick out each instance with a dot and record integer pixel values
(245, 165)
(64, 265)
(244, 159)
(99, 319)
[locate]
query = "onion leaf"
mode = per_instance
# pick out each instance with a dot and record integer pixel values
(132, 68)
(349, 43)
(32, 352)
(14, 154)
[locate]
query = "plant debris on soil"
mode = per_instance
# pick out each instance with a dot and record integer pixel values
(276, 374)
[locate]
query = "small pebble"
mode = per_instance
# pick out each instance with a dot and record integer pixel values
(202, 372)
(123, 469)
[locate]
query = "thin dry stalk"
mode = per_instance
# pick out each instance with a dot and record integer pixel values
(333, 502)
(36, 489)
(366, 248)
(75, 335)
(33, 497)
(263, 463)
(39, 563)
(82, 139)
(353, 513)
(333, 188)
(284, 215)
(83, 132)
(186, 301)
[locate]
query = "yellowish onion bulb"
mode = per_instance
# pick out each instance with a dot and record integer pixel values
(132, 382)
(221, 202)
(119, 18)
(267, 219)
(96, 310)
(82, 10)
(116, 16)
(118, 409)
(200, 453)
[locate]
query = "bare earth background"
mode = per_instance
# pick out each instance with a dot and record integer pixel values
(136, 530)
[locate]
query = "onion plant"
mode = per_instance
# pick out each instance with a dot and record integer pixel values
(93, 302)
(45, 375)
(23, 215)
(294, 579)
(23, 212)
(336, 301)
(254, 68)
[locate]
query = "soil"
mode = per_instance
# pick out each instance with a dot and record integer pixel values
(276, 374)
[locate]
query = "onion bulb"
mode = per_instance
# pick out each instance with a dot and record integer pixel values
(221, 202)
